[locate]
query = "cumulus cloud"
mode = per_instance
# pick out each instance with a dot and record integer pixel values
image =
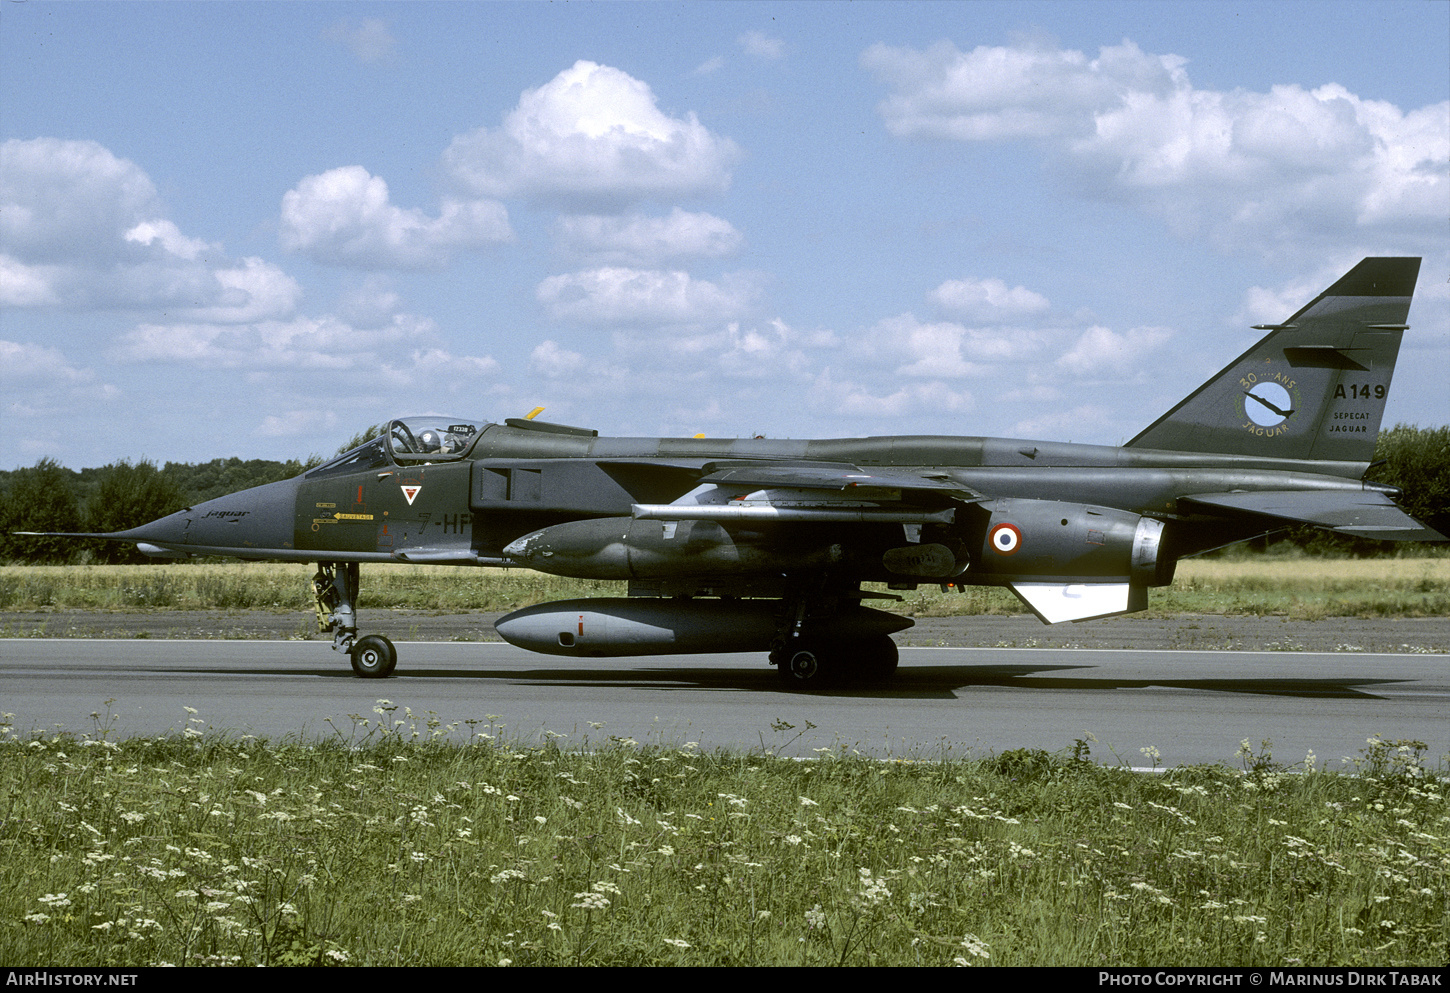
(591, 135)
(550, 360)
(22, 362)
(616, 295)
(248, 289)
(43, 390)
(66, 201)
(987, 299)
(400, 354)
(1248, 168)
(297, 423)
(1269, 306)
(711, 65)
(372, 304)
(300, 343)
(1101, 350)
(761, 46)
(642, 240)
(904, 366)
(168, 237)
(24, 285)
(994, 93)
(946, 349)
(252, 290)
(344, 217)
(370, 40)
(435, 368)
(83, 229)
(1065, 425)
(848, 398)
(759, 352)
(772, 350)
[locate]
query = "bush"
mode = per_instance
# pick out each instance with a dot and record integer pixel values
(129, 496)
(39, 499)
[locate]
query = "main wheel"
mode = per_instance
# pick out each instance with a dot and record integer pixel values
(803, 667)
(877, 659)
(374, 657)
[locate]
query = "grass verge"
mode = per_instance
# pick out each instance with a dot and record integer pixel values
(1300, 588)
(389, 845)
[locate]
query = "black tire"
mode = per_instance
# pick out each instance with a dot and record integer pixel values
(878, 659)
(374, 657)
(804, 667)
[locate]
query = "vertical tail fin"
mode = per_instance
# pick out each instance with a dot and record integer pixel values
(1314, 387)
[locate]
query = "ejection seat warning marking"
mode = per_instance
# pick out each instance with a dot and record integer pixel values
(353, 517)
(410, 493)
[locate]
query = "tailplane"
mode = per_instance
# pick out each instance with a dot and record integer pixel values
(1315, 387)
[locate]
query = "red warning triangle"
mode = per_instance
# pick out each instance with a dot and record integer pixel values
(409, 492)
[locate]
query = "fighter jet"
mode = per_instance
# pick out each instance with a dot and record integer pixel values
(752, 544)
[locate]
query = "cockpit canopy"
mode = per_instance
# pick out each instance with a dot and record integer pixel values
(410, 441)
(431, 437)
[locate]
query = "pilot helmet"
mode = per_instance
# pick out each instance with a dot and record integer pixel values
(429, 441)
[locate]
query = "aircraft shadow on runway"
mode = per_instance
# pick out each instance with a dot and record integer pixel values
(932, 682)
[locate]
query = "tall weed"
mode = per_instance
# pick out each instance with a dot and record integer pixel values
(389, 845)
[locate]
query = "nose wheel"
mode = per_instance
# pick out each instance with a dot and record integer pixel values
(374, 657)
(334, 591)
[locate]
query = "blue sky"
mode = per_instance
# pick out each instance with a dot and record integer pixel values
(253, 229)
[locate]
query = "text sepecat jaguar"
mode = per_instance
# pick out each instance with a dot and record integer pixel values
(733, 545)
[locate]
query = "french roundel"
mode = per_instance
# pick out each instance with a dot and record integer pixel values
(1005, 539)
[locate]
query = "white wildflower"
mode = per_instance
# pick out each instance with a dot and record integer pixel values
(590, 901)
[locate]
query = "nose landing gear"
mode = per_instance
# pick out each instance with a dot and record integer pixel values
(334, 591)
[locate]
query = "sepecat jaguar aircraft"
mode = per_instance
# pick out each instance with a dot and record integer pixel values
(734, 545)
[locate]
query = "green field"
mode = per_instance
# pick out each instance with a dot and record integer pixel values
(389, 846)
(1303, 588)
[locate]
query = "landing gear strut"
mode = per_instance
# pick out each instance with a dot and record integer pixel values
(809, 659)
(335, 594)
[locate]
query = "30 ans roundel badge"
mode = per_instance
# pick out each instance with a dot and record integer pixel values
(1004, 538)
(1269, 399)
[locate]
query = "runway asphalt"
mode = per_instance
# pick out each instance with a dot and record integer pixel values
(1191, 706)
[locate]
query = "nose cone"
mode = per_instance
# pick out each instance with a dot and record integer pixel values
(261, 518)
(167, 532)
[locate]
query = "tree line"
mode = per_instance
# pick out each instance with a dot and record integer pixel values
(50, 497)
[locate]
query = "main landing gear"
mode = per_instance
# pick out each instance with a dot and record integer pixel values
(335, 593)
(808, 664)
(814, 659)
